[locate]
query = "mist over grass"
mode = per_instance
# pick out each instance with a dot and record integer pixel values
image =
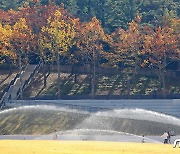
(42, 120)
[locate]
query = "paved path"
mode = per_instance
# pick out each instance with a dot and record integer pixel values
(111, 138)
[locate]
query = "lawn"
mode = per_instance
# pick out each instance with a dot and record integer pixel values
(82, 147)
(105, 85)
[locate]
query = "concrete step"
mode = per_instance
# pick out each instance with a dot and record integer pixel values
(24, 76)
(30, 68)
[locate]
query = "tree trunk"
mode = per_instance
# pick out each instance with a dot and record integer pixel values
(20, 77)
(133, 76)
(59, 80)
(44, 74)
(163, 84)
(128, 84)
(10, 70)
(159, 76)
(92, 86)
(75, 77)
(93, 76)
(162, 81)
(73, 72)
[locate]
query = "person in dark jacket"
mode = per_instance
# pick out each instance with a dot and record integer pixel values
(169, 138)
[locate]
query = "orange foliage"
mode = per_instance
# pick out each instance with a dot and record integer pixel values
(90, 39)
(160, 44)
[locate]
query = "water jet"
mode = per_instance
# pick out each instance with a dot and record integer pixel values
(44, 119)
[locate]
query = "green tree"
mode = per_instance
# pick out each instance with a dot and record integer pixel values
(152, 11)
(115, 14)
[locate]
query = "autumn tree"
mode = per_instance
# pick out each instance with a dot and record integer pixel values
(128, 46)
(21, 42)
(57, 37)
(175, 25)
(36, 16)
(90, 44)
(161, 45)
(6, 54)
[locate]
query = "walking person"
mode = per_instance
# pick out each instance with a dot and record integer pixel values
(169, 138)
(55, 136)
(143, 140)
(154, 94)
(165, 137)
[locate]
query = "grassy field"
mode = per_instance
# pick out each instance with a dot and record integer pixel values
(82, 147)
(105, 85)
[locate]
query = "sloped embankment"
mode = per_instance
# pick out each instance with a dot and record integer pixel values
(39, 121)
